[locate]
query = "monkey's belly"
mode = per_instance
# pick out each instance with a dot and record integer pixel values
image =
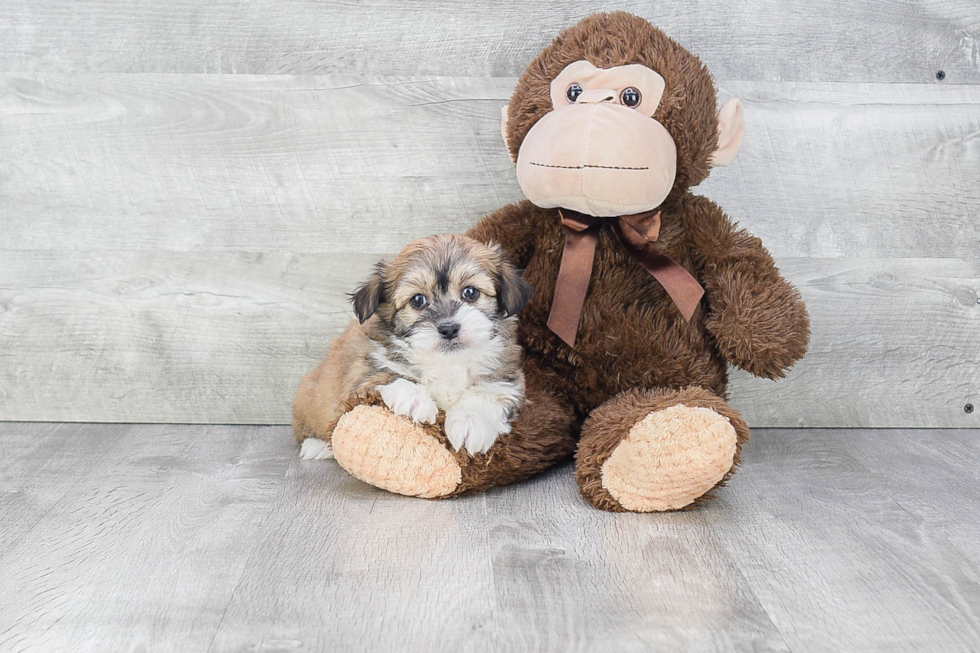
(631, 347)
(630, 333)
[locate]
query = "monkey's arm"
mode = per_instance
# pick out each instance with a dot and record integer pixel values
(757, 317)
(514, 227)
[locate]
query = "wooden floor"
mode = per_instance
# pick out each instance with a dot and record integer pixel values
(217, 538)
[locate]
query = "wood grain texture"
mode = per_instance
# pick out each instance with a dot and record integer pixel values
(268, 163)
(794, 40)
(164, 336)
(194, 539)
(942, 492)
(568, 577)
(815, 532)
(39, 466)
(177, 248)
(340, 164)
(859, 171)
(343, 566)
(148, 547)
(225, 337)
(895, 343)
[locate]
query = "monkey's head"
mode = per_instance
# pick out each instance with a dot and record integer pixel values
(613, 116)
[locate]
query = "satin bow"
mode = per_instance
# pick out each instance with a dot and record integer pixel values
(637, 233)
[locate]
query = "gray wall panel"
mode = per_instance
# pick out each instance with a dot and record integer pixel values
(177, 244)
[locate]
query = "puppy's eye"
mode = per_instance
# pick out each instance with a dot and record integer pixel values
(418, 301)
(630, 97)
(470, 294)
(573, 92)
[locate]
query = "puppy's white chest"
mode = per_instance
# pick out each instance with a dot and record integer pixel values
(448, 384)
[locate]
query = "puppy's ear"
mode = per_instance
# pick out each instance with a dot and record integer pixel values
(370, 294)
(513, 292)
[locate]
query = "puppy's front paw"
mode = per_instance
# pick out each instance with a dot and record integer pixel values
(475, 425)
(315, 449)
(403, 397)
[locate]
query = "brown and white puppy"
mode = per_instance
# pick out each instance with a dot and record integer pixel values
(436, 331)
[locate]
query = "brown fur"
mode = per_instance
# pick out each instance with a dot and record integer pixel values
(542, 435)
(687, 109)
(634, 353)
(604, 429)
(345, 371)
(381, 305)
(631, 334)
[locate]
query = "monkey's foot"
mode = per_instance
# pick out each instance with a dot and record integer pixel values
(669, 459)
(393, 453)
(658, 450)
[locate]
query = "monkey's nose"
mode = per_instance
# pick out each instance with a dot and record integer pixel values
(595, 96)
(448, 330)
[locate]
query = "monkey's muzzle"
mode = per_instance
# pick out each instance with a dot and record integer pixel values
(599, 159)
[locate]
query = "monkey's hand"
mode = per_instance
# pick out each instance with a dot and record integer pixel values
(758, 318)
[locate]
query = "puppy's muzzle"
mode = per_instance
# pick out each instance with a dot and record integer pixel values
(448, 330)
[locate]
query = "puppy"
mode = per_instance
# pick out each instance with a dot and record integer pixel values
(436, 330)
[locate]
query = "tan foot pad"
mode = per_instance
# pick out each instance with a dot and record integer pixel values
(393, 453)
(670, 458)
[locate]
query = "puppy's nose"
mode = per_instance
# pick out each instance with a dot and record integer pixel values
(449, 330)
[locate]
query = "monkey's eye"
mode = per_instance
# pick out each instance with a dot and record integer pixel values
(418, 301)
(630, 97)
(573, 92)
(470, 294)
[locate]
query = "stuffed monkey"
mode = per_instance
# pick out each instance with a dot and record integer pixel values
(643, 291)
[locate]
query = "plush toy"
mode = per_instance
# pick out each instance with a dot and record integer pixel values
(643, 291)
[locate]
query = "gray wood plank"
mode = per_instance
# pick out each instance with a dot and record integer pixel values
(344, 164)
(225, 337)
(795, 40)
(344, 566)
(856, 170)
(198, 538)
(894, 344)
(166, 337)
(932, 476)
(164, 233)
(258, 163)
(148, 548)
(40, 464)
(834, 558)
(568, 577)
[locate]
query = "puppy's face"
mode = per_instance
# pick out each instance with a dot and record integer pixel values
(443, 294)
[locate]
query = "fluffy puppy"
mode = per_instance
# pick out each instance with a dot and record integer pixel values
(436, 330)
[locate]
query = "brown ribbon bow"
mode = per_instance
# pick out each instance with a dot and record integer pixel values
(637, 233)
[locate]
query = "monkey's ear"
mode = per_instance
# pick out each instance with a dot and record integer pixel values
(503, 130)
(513, 292)
(370, 294)
(731, 131)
